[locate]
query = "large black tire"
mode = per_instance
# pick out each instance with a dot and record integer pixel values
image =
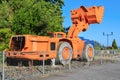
(64, 53)
(88, 53)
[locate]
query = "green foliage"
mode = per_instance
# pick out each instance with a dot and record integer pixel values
(36, 17)
(4, 38)
(97, 45)
(6, 15)
(29, 17)
(59, 3)
(114, 45)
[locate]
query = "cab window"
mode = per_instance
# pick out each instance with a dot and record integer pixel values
(59, 35)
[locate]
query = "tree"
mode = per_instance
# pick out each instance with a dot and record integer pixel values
(114, 45)
(97, 45)
(29, 17)
(0, 1)
(5, 24)
(4, 38)
(6, 15)
(36, 16)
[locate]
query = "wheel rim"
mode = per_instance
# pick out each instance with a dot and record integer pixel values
(90, 52)
(65, 53)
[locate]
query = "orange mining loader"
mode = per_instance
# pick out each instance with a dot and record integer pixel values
(58, 45)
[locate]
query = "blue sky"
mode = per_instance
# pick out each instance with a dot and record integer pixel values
(110, 22)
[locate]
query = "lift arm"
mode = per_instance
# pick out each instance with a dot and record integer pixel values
(82, 17)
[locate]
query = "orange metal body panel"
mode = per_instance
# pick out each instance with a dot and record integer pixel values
(82, 17)
(34, 46)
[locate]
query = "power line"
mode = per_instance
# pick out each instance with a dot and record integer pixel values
(108, 37)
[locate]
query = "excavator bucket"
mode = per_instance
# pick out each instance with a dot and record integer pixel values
(82, 17)
(94, 14)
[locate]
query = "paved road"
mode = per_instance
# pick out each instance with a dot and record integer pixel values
(109, 71)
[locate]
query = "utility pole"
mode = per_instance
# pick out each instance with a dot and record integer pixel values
(108, 37)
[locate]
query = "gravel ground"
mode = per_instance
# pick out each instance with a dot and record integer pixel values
(109, 71)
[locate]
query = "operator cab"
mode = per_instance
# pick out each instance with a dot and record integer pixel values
(57, 35)
(17, 43)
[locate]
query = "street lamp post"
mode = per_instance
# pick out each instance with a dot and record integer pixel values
(108, 37)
